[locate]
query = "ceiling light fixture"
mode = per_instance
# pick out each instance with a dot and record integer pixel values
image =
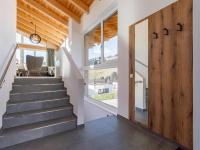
(34, 37)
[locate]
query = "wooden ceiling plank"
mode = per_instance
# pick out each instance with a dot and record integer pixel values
(41, 18)
(45, 11)
(28, 18)
(80, 5)
(64, 10)
(29, 31)
(39, 30)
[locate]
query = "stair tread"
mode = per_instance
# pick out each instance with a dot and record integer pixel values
(34, 101)
(63, 90)
(36, 84)
(37, 125)
(19, 114)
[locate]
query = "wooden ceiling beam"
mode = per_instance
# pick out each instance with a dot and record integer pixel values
(29, 31)
(45, 11)
(39, 30)
(29, 18)
(41, 19)
(59, 7)
(80, 5)
(28, 46)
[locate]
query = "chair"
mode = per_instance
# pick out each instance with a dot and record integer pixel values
(34, 65)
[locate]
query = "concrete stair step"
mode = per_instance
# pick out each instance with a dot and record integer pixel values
(13, 136)
(37, 80)
(37, 88)
(29, 117)
(22, 106)
(38, 95)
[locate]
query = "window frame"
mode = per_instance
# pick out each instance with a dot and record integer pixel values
(101, 22)
(104, 64)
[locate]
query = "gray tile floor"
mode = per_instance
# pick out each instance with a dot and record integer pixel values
(110, 133)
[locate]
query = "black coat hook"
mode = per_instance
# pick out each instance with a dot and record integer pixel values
(179, 27)
(165, 31)
(155, 35)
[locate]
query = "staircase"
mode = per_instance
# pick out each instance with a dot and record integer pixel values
(38, 107)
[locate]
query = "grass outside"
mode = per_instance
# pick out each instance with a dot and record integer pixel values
(106, 96)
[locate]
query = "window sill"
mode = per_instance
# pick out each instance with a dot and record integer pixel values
(102, 105)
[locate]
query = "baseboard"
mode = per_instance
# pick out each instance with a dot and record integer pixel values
(81, 126)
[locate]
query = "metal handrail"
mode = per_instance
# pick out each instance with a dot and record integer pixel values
(2, 79)
(138, 61)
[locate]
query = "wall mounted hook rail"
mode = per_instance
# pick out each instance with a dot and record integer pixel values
(155, 35)
(166, 31)
(179, 27)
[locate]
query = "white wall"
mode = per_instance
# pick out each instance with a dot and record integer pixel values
(7, 28)
(7, 39)
(196, 75)
(131, 11)
(75, 86)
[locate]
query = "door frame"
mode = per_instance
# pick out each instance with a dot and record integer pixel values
(132, 73)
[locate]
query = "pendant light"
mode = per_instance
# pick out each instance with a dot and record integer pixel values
(34, 37)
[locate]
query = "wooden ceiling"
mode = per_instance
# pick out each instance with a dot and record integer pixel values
(51, 17)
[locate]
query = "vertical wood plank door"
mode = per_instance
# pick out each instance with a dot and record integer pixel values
(171, 73)
(184, 73)
(155, 103)
(168, 60)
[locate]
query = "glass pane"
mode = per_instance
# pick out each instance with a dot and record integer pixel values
(93, 46)
(42, 54)
(103, 85)
(110, 31)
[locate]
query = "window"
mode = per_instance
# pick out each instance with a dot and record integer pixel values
(102, 85)
(93, 46)
(42, 54)
(110, 31)
(101, 54)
